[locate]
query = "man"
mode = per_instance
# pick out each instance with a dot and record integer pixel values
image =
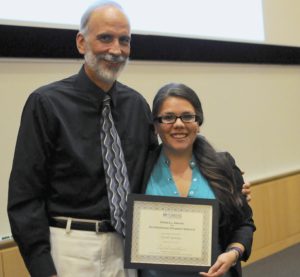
(58, 165)
(58, 202)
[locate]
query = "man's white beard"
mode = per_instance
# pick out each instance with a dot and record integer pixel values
(96, 63)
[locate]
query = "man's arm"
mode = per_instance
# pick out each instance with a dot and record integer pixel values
(28, 188)
(247, 191)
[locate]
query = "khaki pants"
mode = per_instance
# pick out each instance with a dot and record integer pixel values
(88, 254)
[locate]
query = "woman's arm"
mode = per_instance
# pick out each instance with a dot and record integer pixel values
(241, 236)
(226, 260)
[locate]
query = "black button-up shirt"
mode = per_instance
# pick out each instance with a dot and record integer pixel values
(57, 168)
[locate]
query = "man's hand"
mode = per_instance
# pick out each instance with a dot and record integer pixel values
(246, 190)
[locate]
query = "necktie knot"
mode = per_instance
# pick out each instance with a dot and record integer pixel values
(106, 100)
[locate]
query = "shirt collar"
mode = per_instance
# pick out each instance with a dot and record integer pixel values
(164, 161)
(89, 88)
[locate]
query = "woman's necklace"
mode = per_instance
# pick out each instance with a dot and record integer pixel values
(183, 180)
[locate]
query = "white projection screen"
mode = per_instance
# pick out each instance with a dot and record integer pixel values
(210, 19)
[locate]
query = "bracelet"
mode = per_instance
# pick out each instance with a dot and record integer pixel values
(238, 251)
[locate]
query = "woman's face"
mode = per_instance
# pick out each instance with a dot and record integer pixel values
(179, 136)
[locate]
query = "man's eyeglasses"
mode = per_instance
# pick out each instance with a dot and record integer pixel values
(171, 118)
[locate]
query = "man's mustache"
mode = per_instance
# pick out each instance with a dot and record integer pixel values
(112, 58)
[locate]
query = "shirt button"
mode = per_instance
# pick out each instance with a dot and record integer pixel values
(191, 192)
(192, 164)
(169, 179)
(175, 192)
(195, 179)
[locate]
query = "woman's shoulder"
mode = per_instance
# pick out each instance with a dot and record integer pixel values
(226, 156)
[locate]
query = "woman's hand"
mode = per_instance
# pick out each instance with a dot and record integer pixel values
(222, 265)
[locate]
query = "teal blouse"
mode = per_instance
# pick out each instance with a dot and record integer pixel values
(161, 181)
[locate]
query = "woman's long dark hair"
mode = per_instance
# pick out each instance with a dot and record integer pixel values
(214, 167)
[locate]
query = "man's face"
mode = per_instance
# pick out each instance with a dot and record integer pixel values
(106, 45)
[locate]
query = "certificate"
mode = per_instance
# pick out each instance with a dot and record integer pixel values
(171, 233)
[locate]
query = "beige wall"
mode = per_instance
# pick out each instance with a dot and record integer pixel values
(251, 110)
(281, 20)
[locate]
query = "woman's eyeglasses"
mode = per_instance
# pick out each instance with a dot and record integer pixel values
(172, 118)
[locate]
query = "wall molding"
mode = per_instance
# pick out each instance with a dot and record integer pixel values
(50, 43)
(275, 177)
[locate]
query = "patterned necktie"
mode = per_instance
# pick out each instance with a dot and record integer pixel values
(114, 167)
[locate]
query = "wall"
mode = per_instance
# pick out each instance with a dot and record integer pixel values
(281, 18)
(250, 110)
(11, 262)
(276, 209)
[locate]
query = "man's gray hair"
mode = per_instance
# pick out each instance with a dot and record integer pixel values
(87, 14)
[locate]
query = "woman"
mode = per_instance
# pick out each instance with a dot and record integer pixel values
(186, 165)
